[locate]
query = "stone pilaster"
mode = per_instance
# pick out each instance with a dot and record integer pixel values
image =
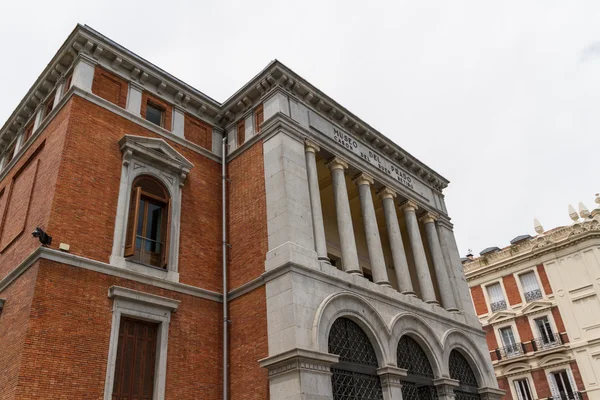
(445, 388)
(83, 72)
(134, 99)
(376, 259)
(397, 246)
(416, 243)
(337, 167)
(311, 150)
(441, 272)
(300, 374)
(391, 382)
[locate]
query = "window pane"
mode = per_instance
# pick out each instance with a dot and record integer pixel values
(154, 114)
(153, 227)
(138, 231)
(529, 282)
(495, 293)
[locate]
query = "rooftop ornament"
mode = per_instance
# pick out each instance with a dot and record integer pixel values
(573, 214)
(539, 229)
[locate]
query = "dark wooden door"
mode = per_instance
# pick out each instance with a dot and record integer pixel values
(136, 357)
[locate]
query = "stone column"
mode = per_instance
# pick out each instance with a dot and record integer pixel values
(311, 150)
(380, 277)
(416, 244)
(448, 261)
(398, 255)
(445, 388)
(391, 382)
(444, 283)
(344, 217)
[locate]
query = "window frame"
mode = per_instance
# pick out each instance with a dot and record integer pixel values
(534, 329)
(241, 132)
(520, 286)
(487, 297)
(258, 111)
(531, 387)
(146, 307)
(150, 103)
(515, 332)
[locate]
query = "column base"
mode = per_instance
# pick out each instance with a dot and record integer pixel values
(355, 272)
(384, 284)
(326, 260)
(454, 310)
(409, 293)
(433, 302)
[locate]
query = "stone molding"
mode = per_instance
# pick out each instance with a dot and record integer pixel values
(386, 193)
(299, 359)
(311, 146)
(391, 376)
(409, 205)
(363, 179)
(428, 218)
(336, 163)
(118, 292)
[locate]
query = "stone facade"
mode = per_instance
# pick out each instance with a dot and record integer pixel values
(546, 291)
(327, 220)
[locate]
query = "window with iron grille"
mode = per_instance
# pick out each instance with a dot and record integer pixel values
(531, 288)
(496, 297)
(418, 383)
(523, 390)
(355, 376)
(463, 373)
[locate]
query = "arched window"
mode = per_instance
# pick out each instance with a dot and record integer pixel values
(418, 383)
(462, 372)
(148, 222)
(355, 376)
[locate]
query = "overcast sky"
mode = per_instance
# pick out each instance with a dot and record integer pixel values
(500, 97)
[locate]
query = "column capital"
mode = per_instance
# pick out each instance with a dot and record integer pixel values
(391, 376)
(310, 146)
(363, 179)
(428, 218)
(409, 205)
(386, 193)
(445, 387)
(445, 223)
(336, 163)
(295, 359)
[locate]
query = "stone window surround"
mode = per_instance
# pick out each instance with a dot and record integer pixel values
(153, 157)
(487, 298)
(513, 325)
(530, 382)
(147, 307)
(556, 368)
(517, 276)
(534, 329)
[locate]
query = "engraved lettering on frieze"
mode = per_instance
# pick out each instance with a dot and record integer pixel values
(344, 140)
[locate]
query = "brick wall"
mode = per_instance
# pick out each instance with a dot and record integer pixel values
(560, 326)
(248, 344)
(479, 300)
(85, 203)
(492, 343)
(74, 300)
(544, 278)
(512, 290)
(247, 216)
(13, 330)
(577, 377)
(540, 380)
(198, 132)
(525, 332)
(27, 192)
(503, 384)
(110, 87)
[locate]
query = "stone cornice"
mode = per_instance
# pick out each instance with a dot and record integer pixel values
(296, 359)
(533, 248)
(118, 292)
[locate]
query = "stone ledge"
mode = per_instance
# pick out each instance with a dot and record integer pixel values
(118, 292)
(297, 359)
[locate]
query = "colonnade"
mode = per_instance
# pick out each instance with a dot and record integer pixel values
(363, 181)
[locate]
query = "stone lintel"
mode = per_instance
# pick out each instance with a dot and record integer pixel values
(336, 163)
(299, 359)
(363, 179)
(408, 205)
(311, 146)
(386, 193)
(117, 292)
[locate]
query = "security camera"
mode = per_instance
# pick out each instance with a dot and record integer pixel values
(43, 237)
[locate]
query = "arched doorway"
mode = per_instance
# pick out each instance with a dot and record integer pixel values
(462, 372)
(355, 376)
(418, 384)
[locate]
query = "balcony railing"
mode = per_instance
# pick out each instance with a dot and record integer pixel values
(498, 306)
(543, 343)
(513, 350)
(533, 295)
(567, 396)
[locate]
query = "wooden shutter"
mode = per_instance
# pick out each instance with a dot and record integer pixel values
(132, 221)
(136, 358)
(259, 117)
(241, 132)
(164, 256)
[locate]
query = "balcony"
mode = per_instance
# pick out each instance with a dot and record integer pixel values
(533, 295)
(498, 306)
(567, 396)
(514, 350)
(544, 343)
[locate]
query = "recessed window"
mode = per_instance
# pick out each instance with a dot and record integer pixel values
(10, 152)
(562, 387)
(259, 117)
(49, 105)
(241, 132)
(148, 223)
(531, 288)
(547, 338)
(511, 347)
(155, 114)
(136, 357)
(496, 296)
(523, 390)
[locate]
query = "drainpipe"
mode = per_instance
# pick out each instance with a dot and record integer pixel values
(225, 308)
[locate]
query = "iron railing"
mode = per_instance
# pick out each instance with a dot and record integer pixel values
(533, 295)
(567, 396)
(513, 350)
(498, 306)
(548, 342)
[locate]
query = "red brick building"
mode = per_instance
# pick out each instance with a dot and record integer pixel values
(121, 164)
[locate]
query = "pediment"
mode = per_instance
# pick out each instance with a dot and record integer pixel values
(501, 316)
(155, 151)
(536, 306)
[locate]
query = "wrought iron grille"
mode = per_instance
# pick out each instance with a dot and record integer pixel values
(461, 370)
(533, 295)
(350, 342)
(348, 385)
(412, 358)
(498, 306)
(567, 396)
(547, 342)
(513, 350)
(412, 391)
